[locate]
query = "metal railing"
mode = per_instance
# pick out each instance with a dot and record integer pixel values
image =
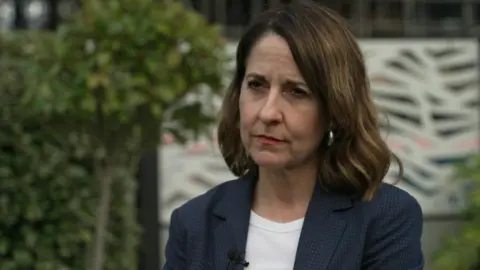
(368, 18)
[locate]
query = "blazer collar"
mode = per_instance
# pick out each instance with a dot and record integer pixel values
(231, 216)
(321, 232)
(322, 229)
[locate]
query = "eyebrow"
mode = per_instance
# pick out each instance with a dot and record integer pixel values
(263, 78)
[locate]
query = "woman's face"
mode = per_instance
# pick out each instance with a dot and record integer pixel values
(280, 120)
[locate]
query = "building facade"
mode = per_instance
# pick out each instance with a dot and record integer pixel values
(368, 18)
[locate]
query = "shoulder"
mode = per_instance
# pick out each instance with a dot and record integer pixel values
(196, 207)
(394, 230)
(393, 208)
(391, 200)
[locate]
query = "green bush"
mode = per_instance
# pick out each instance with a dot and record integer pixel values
(46, 192)
(461, 251)
(78, 108)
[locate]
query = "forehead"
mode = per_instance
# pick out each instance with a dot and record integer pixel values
(271, 54)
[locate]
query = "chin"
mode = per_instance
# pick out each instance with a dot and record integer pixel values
(269, 160)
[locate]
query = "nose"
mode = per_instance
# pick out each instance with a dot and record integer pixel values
(271, 107)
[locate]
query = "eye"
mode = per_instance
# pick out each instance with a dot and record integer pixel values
(298, 92)
(254, 84)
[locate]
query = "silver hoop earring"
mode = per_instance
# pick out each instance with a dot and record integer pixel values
(330, 138)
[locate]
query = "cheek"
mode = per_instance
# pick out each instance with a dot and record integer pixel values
(245, 119)
(316, 124)
(309, 126)
(246, 111)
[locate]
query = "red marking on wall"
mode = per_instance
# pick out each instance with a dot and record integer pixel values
(168, 139)
(197, 148)
(396, 146)
(472, 143)
(422, 142)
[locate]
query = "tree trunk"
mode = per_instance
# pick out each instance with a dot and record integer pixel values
(105, 177)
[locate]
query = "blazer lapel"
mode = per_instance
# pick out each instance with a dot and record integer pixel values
(322, 230)
(231, 217)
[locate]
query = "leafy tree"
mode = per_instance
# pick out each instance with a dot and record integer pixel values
(91, 98)
(461, 251)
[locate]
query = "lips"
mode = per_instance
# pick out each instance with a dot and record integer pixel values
(269, 140)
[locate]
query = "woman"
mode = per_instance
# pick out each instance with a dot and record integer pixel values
(301, 132)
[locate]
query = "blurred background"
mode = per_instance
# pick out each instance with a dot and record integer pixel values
(422, 58)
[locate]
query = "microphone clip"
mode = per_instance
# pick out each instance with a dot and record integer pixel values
(234, 258)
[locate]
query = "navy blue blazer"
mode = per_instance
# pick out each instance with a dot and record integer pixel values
(339, 233)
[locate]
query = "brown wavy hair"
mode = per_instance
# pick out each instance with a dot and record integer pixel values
(332, 65)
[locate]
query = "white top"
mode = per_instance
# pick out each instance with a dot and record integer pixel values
(272, 245)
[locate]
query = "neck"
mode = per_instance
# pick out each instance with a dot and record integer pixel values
(283, 195)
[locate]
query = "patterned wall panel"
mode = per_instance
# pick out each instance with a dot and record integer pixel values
(428, 92)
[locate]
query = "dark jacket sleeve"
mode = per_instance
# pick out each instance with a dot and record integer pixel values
(175, 257)
(393, 241)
